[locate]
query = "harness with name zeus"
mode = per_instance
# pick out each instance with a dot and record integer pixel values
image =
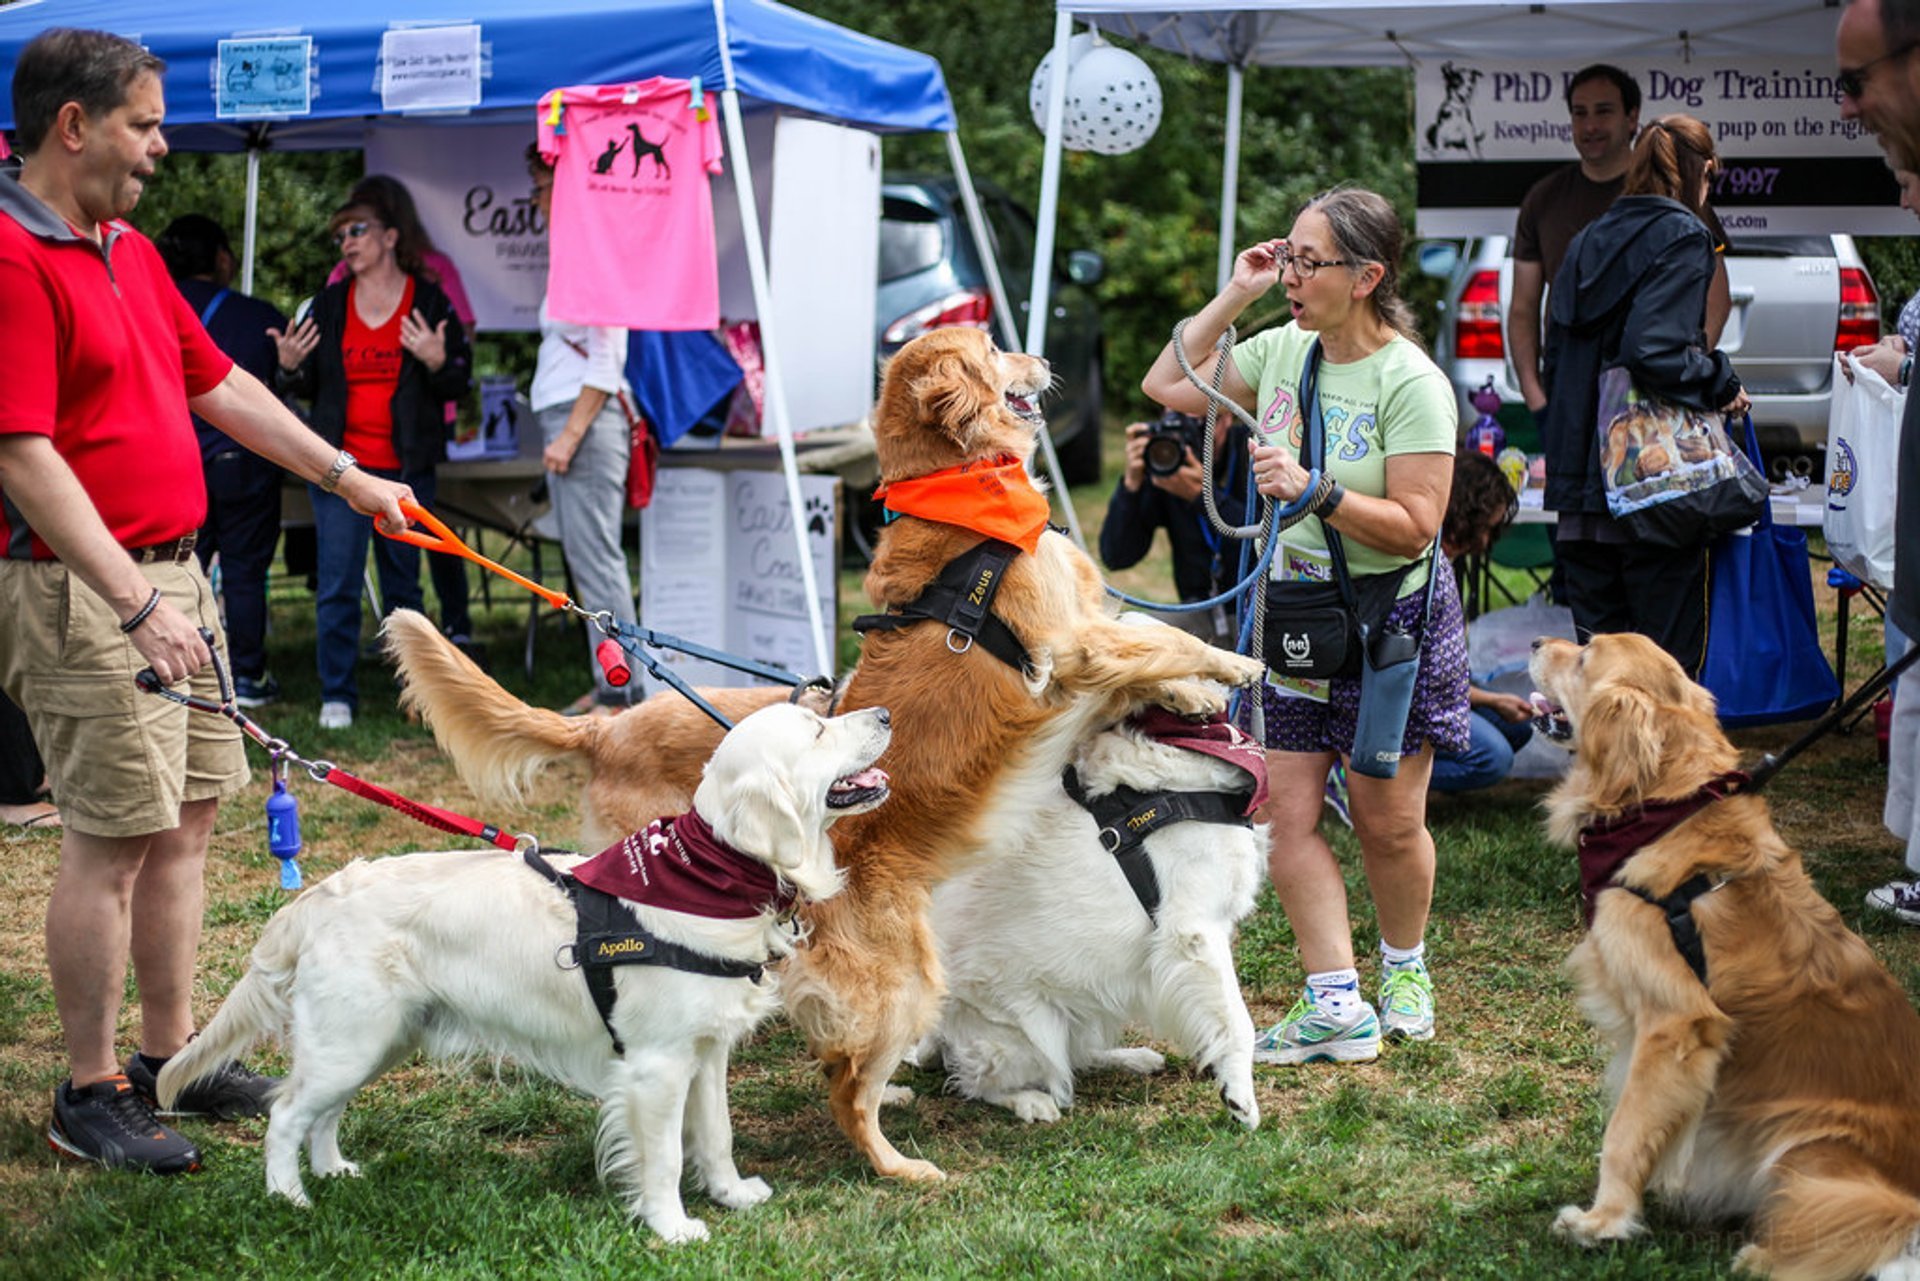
(1127, 816)
(993, 498)
(672, 863)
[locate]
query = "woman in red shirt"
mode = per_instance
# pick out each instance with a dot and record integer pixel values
(380, 355)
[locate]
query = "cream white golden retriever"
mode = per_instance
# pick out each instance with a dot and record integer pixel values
(457, 953)
(978, 743)
(1783, 1084)
(1050, 954)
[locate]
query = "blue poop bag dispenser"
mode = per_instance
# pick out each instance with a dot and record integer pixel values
(283, 828)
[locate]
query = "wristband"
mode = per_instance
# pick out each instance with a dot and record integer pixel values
(1330, 500)
(342, 461)
(146, 610)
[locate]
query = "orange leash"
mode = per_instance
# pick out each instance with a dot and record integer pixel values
(438, 538)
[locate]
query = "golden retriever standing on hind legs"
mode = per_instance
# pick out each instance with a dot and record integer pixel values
(978, 742)
(1765, 1064)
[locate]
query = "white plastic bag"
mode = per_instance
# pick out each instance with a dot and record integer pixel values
(1863, 451)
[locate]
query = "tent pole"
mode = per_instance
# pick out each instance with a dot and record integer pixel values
(1040, 297)
(776, 391)
(1230, 175)
(252, 218)
(977, 224)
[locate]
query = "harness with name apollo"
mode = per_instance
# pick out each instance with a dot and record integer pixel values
(994, 498)
(1605, 845)
(1127, 816)
(673, 863)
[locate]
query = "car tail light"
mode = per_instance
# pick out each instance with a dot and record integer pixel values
(970, 307)
(1859, 311)
(1476, 331)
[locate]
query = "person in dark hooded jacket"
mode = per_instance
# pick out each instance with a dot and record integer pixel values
(1633, 292)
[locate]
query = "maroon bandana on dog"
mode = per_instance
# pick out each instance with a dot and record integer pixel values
(1213, 736)
(1607, 844)
(676, 864)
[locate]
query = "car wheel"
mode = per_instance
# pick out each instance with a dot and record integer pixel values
(1080, 457)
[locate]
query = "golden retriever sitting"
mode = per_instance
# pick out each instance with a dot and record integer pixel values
(977, 746)
(1782, 1085)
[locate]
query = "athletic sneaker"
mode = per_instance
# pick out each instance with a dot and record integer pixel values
(1406, 1002)
(230, 1093)
(109, 1123)
(1901, 898)
(1309, 1034)
(255, 693)
(336, 715)
(1335, 794)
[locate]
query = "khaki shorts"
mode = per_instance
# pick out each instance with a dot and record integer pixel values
(121, 761)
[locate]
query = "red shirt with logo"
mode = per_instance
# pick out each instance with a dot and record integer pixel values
(372, 357)
(102, 354)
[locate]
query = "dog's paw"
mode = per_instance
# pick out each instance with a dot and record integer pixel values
(1033, 1106)
(916, 1171)
(676, 1229)
(1192, 698)
(294, 1194)
(896, 1096)
(740, 1193)
(1591, 1227)
(1241, 1105)
(342, 1169)
(1139, 1060)
(926, 1053)
(1240, 669)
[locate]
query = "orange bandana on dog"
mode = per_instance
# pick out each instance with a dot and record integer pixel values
(993, 497)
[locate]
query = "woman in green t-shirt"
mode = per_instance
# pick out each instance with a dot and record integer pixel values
(1390, 419)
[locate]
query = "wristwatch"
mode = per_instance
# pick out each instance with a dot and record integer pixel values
(342, 461)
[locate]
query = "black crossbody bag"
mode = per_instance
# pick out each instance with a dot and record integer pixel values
(1313, 629)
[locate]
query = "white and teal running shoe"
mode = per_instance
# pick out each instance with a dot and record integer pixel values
(1309, 1034)
(1406, 1002)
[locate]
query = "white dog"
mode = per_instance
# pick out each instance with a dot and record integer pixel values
(1050, 954)
(460, 953)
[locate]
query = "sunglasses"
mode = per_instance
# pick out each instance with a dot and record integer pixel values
(352, 231)
(1852, 81)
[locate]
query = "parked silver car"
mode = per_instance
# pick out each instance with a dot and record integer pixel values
(1796, 300)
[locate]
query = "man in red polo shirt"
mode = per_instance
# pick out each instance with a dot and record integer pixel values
(101, 491)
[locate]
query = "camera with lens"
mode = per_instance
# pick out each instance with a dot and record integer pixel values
(1168, 440)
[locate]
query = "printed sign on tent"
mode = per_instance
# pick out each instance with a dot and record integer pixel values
(430, 68)
(1484, 132)
(262, 78)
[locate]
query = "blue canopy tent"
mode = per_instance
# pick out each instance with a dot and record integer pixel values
(754, 54)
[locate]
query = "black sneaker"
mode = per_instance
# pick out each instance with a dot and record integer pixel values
(109, 1123)
(229, 1094)
(255, 693)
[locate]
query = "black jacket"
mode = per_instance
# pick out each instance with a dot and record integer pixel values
(1632, 292)
(419, 399)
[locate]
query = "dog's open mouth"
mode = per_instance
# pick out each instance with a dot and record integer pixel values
(868, 787)
(1550, 718)
(1027, 406)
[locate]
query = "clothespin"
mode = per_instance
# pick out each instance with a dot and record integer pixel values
(629, 95)
(697, 101)
(553, 113)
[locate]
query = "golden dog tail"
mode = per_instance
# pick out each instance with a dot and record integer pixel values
(260, 1005)
(498, 743)
(1834, 1216)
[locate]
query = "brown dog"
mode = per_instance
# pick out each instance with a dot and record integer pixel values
(977, 744)
(1783, 1084)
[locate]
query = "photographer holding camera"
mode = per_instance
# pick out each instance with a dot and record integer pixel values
(1161, 488)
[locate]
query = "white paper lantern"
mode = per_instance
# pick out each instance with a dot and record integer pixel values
(1113, 99)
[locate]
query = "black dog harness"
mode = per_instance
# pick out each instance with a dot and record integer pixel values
(1606, 845)
(1127, 817)
(610, 934)
(962, 598)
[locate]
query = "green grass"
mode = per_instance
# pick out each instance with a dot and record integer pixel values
(1441, 1160)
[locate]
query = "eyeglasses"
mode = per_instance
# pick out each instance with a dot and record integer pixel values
(1305, 267)
(1852, 81)
(352, 231)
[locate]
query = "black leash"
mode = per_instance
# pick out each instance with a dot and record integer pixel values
(1870, 690)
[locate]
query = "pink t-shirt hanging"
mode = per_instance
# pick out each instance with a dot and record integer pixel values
(631, 241)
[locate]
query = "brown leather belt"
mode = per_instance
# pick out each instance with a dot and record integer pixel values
(176, 550)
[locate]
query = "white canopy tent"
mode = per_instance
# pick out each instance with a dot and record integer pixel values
(1354, 33)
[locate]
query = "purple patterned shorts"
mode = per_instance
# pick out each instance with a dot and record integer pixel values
(1439, 713)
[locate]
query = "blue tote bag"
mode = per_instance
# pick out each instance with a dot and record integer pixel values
(1764, 663)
